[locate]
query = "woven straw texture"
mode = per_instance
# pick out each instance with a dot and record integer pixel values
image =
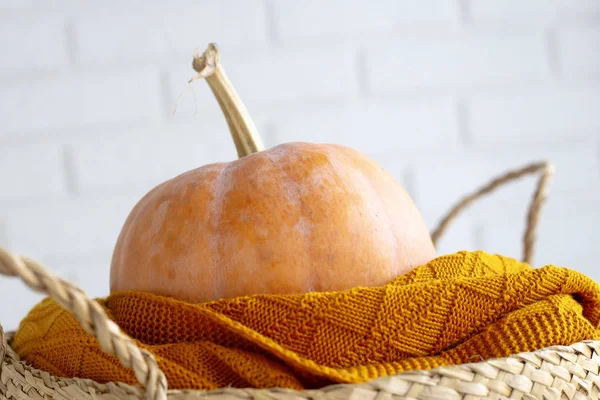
(559, 372)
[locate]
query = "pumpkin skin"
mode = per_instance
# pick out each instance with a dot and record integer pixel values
(296, 218)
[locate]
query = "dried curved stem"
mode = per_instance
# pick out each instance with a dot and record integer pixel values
(242, 128)
(545, 168)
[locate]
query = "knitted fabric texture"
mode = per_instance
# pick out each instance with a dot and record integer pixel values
(459, 308)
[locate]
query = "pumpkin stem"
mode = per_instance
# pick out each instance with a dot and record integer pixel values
(242, 128)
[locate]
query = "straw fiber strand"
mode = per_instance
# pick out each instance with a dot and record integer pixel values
(545, 171)
(92, 318)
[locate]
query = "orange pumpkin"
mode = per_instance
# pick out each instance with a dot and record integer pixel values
(296, 218)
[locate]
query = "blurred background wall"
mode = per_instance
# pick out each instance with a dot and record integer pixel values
(95, 110)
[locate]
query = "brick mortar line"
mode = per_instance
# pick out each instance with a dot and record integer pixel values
(272, 27)
(464, 7)
(68, 165)
(71, 43)
(465, 134)
(553, 51)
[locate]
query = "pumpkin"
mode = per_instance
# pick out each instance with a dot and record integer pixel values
(296, 218)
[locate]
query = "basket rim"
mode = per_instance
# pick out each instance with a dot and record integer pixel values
(558, 369)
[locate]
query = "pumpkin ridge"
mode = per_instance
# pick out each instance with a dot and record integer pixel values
(221, 186)
(299, 202)
(383, 207)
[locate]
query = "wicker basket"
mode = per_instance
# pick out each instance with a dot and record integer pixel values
(559, 372)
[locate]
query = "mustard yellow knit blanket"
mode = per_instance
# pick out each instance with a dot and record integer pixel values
(458, 308)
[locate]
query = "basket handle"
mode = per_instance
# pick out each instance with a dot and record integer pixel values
(3, 345)
(545, 169)
(91, 317)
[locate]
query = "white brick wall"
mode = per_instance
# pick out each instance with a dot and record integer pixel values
(514, 11)
(32, 171)
(37, 43)
(445, 94)
(580, 50)
(536, 115)
(79, 99)
(457, 60)
(275, 77)
(155, 30)
(431, 123)
(146, 157)
(318, 19)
